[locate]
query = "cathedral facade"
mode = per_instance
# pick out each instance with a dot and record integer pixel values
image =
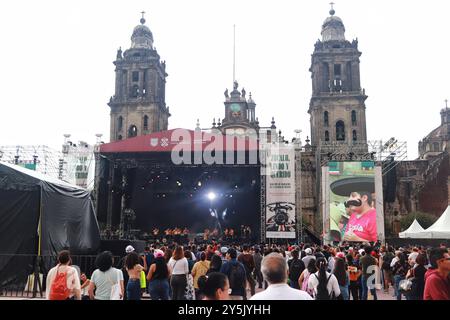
(337, 116)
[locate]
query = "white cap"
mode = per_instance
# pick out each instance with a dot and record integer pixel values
(361, 251)
(308, 251)
(129, 249)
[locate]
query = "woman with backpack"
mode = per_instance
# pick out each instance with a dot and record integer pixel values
(200, 268)
(63, 282)
(303, 281)
(104, 278)
(324, 284)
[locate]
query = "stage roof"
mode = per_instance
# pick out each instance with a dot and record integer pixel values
(181, 139)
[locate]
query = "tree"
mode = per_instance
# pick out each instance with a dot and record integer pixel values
(424, 219)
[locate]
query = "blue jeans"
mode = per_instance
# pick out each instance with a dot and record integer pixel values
(398, 293)
(159, 289)
(365, 289)
(344, 292)
(134, 289)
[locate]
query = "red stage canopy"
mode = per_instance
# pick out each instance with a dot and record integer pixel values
(181, 139)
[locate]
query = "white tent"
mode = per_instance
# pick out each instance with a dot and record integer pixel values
(439, 230)
(414, 228)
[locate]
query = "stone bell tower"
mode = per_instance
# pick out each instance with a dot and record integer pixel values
(138, 106)
(337, 109)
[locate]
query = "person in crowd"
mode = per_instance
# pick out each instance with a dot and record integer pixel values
(180, 270)
(386, 258)
(275, 272)
(235, 271)
(303, 281)
(134, 269)
(200, 268)
(354, 274)
(62, 281)
(369, 267)
(342, 276)
(309, 256)
(214, 286)
(437, 282)
(215, 265)
(104, 278)
(417, 275)
(246, 258)
(158, 277)
(84, 282)
(188, 256)
(331, 259)
(324, 284)
(258, 259)
(296, 267)
(399, 270)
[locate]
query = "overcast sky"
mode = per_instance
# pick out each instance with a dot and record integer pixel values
(57, 73)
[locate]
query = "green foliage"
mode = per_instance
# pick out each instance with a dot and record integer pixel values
(424, 219)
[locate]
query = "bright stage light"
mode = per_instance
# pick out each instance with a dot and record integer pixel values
(211, 196)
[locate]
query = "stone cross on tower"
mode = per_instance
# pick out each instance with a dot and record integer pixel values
(142, 19)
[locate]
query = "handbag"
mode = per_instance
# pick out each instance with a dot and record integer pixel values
(116, 291)
(405, 285)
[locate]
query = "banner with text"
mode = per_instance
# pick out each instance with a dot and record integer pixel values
(280, 193)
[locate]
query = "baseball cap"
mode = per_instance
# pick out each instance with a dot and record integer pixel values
(224, 250)
(308, 251)
(129, 249)
(340, 255)
(158, 253)
(361, 251)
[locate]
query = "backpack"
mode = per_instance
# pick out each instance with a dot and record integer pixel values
(323, 294)
(305, 286)
(59, 289)
(295, 269)
(237, 277)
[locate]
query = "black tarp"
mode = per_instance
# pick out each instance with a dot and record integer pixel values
(66, 213)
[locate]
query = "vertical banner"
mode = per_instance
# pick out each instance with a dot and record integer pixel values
(280, 193)
(353, 207)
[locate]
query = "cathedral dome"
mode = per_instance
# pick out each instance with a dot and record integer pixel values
(142, 37)
(333, 28)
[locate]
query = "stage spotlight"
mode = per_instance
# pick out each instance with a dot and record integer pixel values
(199, 183)
(211, 196)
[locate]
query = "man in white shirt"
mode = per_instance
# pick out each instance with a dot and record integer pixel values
(275, 272)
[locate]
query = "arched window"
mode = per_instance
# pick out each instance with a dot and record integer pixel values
(327, 136)
(145, 122)
(436, 147)
(325, 118)
(354, 135)
(132, 132)
(120, 123)
(340, 131)
(353, 118)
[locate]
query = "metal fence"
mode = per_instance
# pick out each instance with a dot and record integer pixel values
(24, 275)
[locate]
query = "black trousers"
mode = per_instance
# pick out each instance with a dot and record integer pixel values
(354, 289)
(178, 283)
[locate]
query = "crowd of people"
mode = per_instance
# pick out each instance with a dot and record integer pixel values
(287, 272)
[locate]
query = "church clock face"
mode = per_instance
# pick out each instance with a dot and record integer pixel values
(235, 110)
